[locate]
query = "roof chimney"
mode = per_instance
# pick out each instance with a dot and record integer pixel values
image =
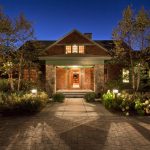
(88, 35)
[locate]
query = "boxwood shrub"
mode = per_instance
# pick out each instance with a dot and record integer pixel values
(90, 97)
(58, 97)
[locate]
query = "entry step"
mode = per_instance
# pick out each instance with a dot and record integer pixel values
(74, 94)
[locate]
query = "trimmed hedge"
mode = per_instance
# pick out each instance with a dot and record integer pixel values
(90, 97)
(58, 97)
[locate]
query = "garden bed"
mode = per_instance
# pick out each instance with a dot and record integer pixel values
(22, 103)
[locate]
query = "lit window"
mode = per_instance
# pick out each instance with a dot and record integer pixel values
(81, 49)
(125, 75)
(68, 49)
(74, 49)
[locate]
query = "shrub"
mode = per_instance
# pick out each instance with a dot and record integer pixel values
(58, 97)
(107, 99)
(90, 97)
(23, 103)
(142, 108)
(4, 85)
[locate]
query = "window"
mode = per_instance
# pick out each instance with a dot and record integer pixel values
(125, 75)
(81, 49)
(74, 49)
(68, 49)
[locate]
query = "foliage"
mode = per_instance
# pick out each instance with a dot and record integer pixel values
(4, 85)
(20, 102)
(14, 32)
(90, 97)
(127, 103)
(108, 99)
(142, 108)
(118, 84)
(132, 32)
(58, 97)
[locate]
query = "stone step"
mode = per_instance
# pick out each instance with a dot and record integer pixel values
(74, 94)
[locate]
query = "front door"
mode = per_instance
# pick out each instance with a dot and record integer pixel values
(75, 77)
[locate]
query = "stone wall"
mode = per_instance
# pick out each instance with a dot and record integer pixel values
(50, 79)
(99, 77)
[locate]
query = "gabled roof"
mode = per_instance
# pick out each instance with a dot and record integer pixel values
(76, 31)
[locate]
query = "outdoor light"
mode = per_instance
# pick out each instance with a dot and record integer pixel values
(119, 94)
(75, 66)
(115, 91)
(34, 91)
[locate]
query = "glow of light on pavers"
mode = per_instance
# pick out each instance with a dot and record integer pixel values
(33, 135)
(144, 125)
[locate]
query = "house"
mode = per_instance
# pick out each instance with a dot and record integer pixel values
(76, 62)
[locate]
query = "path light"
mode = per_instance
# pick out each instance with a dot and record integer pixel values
(34, 91)
(115, 91)
(119, 94)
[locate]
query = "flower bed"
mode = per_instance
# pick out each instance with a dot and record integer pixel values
(126, 103)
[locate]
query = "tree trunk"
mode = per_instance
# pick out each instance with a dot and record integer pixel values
(10, 75)
(138, 77)
(19, 73)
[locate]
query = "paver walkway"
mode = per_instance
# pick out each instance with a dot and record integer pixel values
(75, 125)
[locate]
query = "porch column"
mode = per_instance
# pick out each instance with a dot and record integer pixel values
(50, 79)
(99, 78)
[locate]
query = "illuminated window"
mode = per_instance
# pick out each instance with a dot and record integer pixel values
(81, 49)
(125, 75)
(68, 49)
(74, 49)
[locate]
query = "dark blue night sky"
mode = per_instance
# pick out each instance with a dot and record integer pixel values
(54, 18)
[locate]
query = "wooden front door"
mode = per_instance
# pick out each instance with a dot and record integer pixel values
(75, 78)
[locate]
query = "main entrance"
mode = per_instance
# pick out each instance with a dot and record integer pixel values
(74, 78)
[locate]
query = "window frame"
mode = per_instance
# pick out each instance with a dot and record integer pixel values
(78, 49)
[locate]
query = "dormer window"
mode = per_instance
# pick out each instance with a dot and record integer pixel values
(68, 49)
(74, 49)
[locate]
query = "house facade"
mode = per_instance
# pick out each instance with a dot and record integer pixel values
(75, 62)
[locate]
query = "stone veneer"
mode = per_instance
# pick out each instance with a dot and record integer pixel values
(50, 79)
(99, 77)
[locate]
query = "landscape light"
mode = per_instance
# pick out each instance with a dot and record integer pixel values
(34, 91)
(115, 91)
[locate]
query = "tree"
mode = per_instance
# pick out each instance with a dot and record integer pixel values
(23, 33)
(13, 34)
(7, 46)
(133, 30)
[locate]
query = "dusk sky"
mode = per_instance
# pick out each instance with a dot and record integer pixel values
(54, 18)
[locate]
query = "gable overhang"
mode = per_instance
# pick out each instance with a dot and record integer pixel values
(74, 60)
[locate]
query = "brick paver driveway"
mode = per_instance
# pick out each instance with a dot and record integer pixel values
(74, 125)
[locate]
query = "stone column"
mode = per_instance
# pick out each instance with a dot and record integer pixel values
(99, 78)
(50, 79)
